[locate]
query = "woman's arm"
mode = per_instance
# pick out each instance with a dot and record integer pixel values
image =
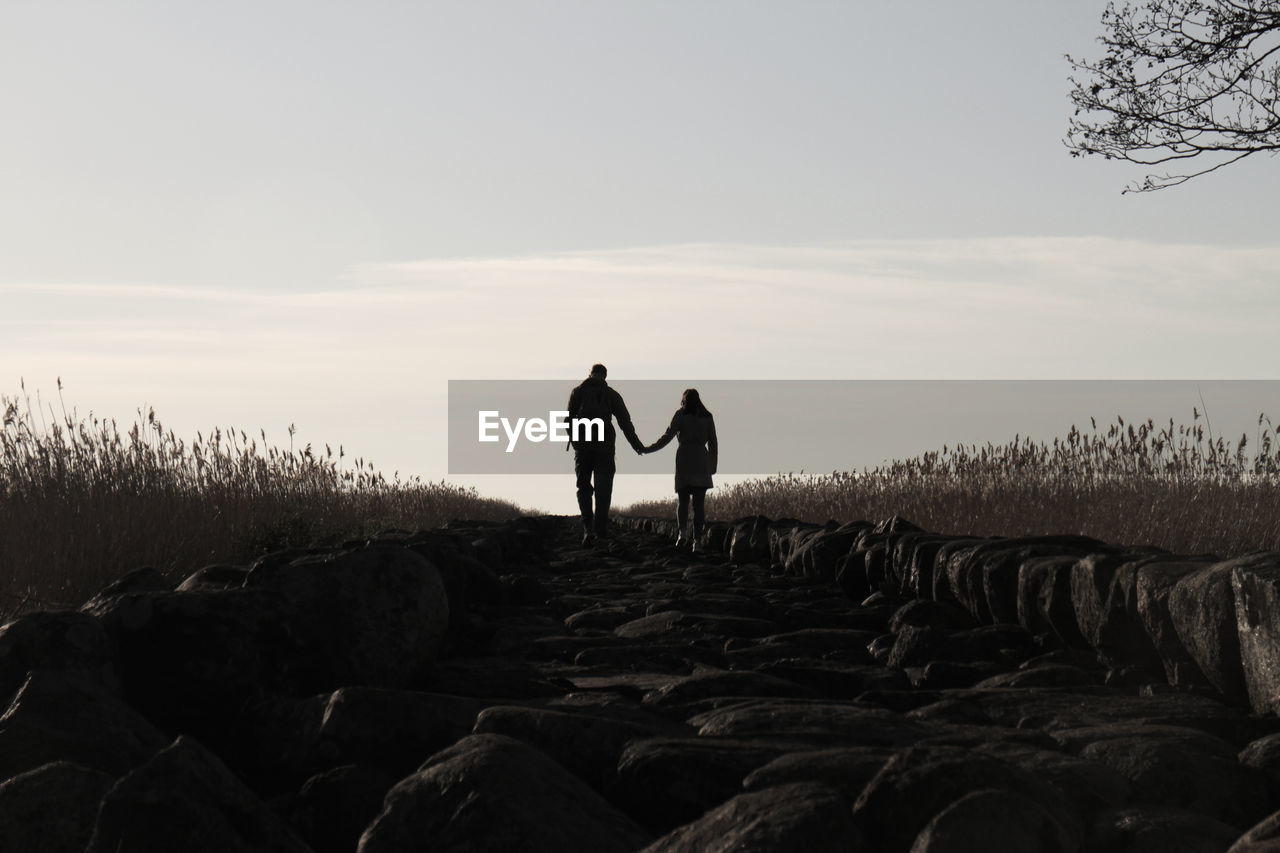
(666, 436)
(713, 446)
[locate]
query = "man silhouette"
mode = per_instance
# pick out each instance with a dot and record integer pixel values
(593, 455)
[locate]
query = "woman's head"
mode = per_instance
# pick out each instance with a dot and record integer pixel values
(692, 403)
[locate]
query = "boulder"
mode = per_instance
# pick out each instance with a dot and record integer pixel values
(923, 613)
(1044, 599)
(847, 769)
(145, 579)
(918, 783)
(665, 782)
(844, 723)
(55, 641)
(1263, 755)
(1156, 581)
(1176, 767)
(1202, 607)
(333, 808)
(672, 624)
(984, 577)
(749, 541)
(185, 799)
(587, 744)
(799, 818)
(816, 556)
(392, 730)
(375, 616)
(912, 559)
(709, 683)
(973, 822)
(1158, 829)
(51, 808)
(191, 661)
(1104, 590)
(834, 679)
(214, 578)
(1256, 583)
(489, 792)
(1091, 786)
(69, 716)
(1264, 837)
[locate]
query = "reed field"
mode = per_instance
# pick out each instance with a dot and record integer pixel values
(83, 501)
(1175, 486)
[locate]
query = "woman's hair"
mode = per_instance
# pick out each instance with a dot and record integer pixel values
(690, 402)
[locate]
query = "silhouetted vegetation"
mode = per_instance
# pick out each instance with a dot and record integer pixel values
(82, 502)
(1174, 486)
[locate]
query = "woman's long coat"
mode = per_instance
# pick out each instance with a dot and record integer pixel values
(697, 452)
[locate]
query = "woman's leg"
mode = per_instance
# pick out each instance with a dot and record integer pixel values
(682, 514)
(699, 512)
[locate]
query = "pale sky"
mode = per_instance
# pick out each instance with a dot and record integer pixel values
(257, 214)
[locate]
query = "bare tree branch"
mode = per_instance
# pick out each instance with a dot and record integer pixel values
(1179, 80)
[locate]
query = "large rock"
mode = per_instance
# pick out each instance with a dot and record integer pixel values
(842, 722)
(588, 744)
(996, 566)
(668, 781)
(393, 730)
(54, 641)
(749, 540)
(1158, 829)
(800, 818)
(817, 556)
(68, 716)
(919, 783)
(708, 683)
(1256, 582)
(1156, 582)
(1261, 838)
(193, 660)
(333, 808)
(1044, 599)
(373, 617)
(1176, 767)
(912, 559)
(846, 769)
(186, 799)
(1202, 607)
(51, 809)
(1091, 786)
(490, 792)
(1104, 589)
(972, 823)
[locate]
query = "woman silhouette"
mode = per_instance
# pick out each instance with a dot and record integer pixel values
(696, 457)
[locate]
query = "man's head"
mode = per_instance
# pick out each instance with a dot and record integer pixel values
(598, 371)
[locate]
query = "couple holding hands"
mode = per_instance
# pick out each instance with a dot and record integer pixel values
(593, 462)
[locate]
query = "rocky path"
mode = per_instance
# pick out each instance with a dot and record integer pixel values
(629, 696)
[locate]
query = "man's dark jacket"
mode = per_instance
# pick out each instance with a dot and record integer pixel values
(617, 409)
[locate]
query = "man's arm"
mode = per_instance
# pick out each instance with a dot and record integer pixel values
(623, 417)
(572, 408)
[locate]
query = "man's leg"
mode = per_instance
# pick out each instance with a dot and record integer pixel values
(583, 466)
(604, 468)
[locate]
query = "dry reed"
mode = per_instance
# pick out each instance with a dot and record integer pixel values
(82, 502)
(1170, 486)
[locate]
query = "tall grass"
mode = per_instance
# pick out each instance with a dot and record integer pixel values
(82, 501)
(1172, 486)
